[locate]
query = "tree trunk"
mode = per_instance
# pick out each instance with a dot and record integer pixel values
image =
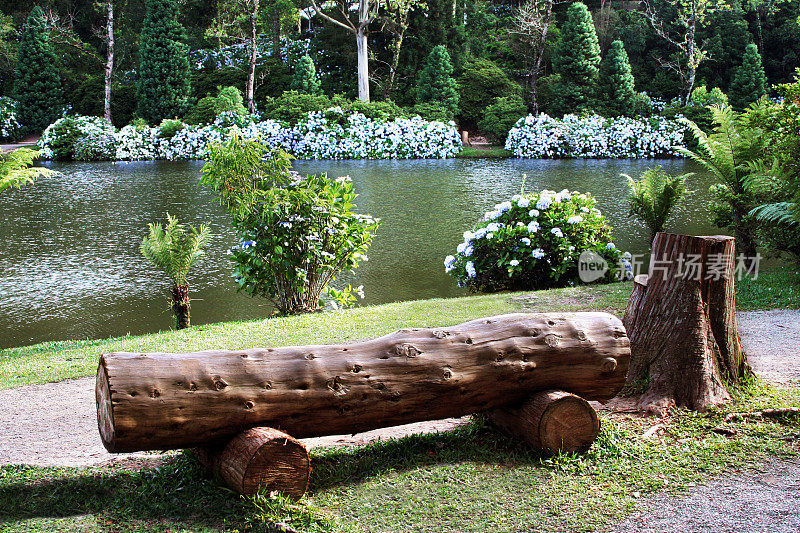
(251, 73)
(551, 421)
(681, 320)
(167, 401)
(180, 305)
(397, 45)
(260, 458)
(109, 59)
(363, 63)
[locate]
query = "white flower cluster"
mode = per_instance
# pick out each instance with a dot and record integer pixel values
(85, 126)
(315, 137)
(238, 55)
(594, 136)
(9, 126)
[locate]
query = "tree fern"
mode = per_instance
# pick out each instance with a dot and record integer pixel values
(173, 249)
(777, 214)
(653, 197)
(16, 169)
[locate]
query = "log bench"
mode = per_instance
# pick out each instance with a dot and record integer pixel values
(243, 410)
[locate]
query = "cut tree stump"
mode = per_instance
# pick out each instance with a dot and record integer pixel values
(168, 401)
(681, 321)
(552, 421)
(260, 458)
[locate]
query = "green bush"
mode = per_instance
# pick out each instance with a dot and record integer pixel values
(208, 82)
(481, 82)
(229, 100)
(501, 116)
(291, 106)
(749, 83)
(534, 242)
(305, 76)
(702, 97)
(615, 86)
(203, 112)
(95, 146)
(383, 110)
(432, 111)
(65, 134)
(436, 83)
(169, 127)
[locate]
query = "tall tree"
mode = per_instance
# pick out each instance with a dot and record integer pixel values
(531, 26)
(237, 20)
(686, 19)
(436, 83)
(305, 76)
(163, 63)
(750, 82)
(616, 94)
(395, 21)
(366, 13)
(37, 84)
(577, 63)
(108, 37)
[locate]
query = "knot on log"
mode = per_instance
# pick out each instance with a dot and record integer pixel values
(335, 384)
(220, 384)
(439, 334)
(609, 364)
(407, 350)
(551, 340)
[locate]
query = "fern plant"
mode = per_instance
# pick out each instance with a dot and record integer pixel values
(16, 169)
(174, 250)
(731, 153)
(653, 197)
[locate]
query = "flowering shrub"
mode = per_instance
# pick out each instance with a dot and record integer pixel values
(330, 134)
(95, 146)
(296, 235)
(534, 241)
(60, 139)
(594, 136)
(9, 125)
(238, 55)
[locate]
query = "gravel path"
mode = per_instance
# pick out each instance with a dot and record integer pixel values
(54, 424)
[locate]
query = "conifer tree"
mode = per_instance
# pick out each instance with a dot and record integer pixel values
(436, 83)
(616, 94)
(163, 85)
(37, 83)
(305, 76)
(749, 82)
(577, 63)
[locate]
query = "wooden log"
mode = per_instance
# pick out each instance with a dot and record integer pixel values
(166, 401)
(681, 320)
(260, 458)
(552, 421)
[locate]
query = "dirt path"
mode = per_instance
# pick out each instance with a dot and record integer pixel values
(54, 424)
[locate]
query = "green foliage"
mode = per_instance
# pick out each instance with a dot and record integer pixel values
(203, 112)
(750, 82)
(381, 110)
(501, 115)
(702, 97)
(291, 106)
(37, 84)
(16, 168)
(169, 127)
(296, 236)
(577, 62)
(436, 83)
(534, 241)
(481, 82)
(229, 100)
(173, 249)
(616, 95)
(305, 79)
(163, 63)
(95, 146)
(65, 134)
(432, 111)
(653, 197)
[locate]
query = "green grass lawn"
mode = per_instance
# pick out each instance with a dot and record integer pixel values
(468, 152)
(56, 361)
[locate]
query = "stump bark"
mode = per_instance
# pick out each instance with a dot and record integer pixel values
(260, 458)
(551, 421)
(681, 321)
(167, 401)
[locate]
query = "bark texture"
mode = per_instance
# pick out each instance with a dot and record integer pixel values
(681, 320)
(260, 458)
(551, 421)
(167, 401)
(180, 305)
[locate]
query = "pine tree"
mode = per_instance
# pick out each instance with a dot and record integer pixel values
(615, 86)
(436, 82)
(577, 63)
(305, 76)
(37, 84)
(749, 82)
(163, 63)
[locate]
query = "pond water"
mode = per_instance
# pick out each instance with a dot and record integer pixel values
(70, 266)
